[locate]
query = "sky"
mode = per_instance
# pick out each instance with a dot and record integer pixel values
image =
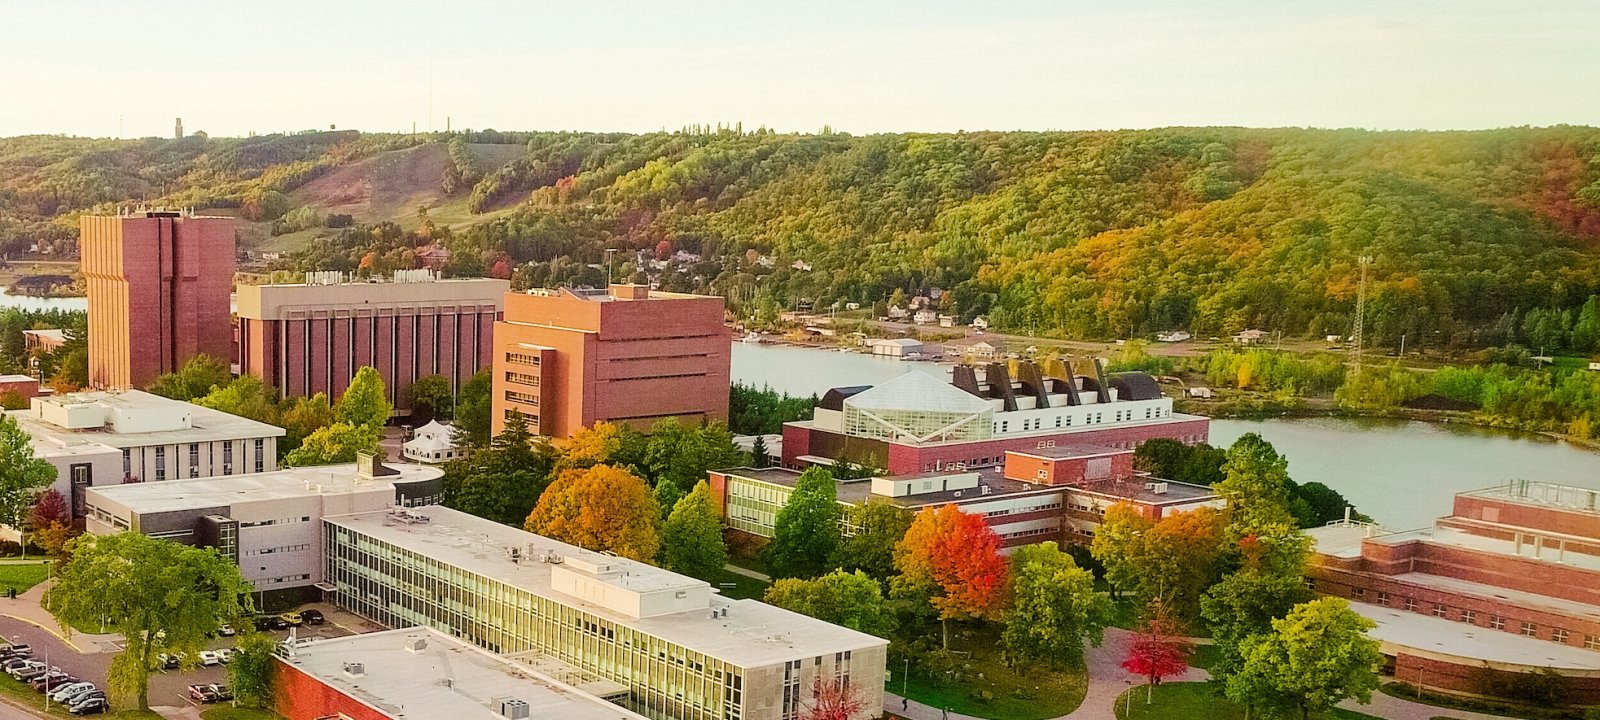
(107, 68)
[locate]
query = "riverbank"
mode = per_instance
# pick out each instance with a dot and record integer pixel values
(1309, 408)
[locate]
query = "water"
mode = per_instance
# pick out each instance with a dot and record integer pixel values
(38, 303)
(1401, 473)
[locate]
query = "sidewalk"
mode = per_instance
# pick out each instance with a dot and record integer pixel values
(27, 608)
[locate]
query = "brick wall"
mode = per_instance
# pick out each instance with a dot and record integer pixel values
(298, 696)
(1463, 677)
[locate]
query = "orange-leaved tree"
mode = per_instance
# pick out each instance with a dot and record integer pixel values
(952, 561)
(600, 508)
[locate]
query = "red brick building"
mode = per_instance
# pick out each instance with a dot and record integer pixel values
(311, 337)
(1511, 580)
(158, 284)
(569, 358)
(917, 423)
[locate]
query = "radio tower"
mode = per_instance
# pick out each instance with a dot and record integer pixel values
(1361, 311)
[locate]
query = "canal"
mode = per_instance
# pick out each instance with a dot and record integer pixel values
(1402, 473)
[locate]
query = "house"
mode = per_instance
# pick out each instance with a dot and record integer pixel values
(1594, 366)
(980, 323)
(898, 313)
(1202, 393)
(947, 321)
(1251, 337)
(984, 350)
(897, 347)
(433, 257)
(925, 317)
(1174, 336)
(43, 340)
(433, 443)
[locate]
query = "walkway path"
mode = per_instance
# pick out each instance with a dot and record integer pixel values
(747, 572)
(1107, 682)
(28, 608)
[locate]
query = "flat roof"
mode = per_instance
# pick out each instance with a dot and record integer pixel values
(446, 678)
(173, 495)
(1402, 629)
(1455, 537)
(859, 491)
(17, 378)
(1073, 450)
(207, 425)
(1555, 496)
(753, 634)
(1137, 489)
(1518, 598)
(1342, 539)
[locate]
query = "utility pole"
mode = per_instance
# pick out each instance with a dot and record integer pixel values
(609, 252)
(1361, 311)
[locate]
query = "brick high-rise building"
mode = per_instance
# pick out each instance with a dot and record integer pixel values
(306, 338)
(569, 358)
(158, 285)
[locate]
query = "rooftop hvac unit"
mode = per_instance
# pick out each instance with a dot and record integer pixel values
(355, 669)
(513, 708)
(416, 644)
(1157, 488)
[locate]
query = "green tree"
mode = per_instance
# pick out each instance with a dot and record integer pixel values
(877, 527)
(159, 595)
(336, 443)
(1267, 582)
(303, 416)
(250, 672)
(22, 475)
(806, 530)
(1054, 607)
(691, 539)
(1586, 329)
(759, 456)
(195, 379)
(848, 599)
(247, 397)
(431, 399)
(365, 402)
(472, 411)
(1256, 486)
(1312, 659)
(503, 481)
(682, 454)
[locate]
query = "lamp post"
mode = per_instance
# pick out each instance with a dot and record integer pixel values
(1127, 697)
(905, 677)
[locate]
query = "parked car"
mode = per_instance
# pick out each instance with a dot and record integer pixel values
(291, 618)
(224, 655)
(15, 665)
(210, 693)
(30, 670)
(18, 650)
(66, 692)
(226, 630)
(51, 680)
(169, 661)
(312, 617)
(224, 693)
(91, 706)
(209, 658)
(82, 696)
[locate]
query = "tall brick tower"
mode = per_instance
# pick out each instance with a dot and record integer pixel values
(159, 285)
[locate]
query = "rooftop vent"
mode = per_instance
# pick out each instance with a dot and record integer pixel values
(355, 669)
(416, 644)
(512, 708)
(1156, 488)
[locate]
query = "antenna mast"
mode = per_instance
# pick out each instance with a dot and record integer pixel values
(1361, 311)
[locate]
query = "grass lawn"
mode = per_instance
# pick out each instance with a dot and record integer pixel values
(223, 712)
(1205, 656)
(22, 575)
(1182, 701)
(744, 586)
(1029, 692)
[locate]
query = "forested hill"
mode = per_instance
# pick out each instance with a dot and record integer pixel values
(1476, 236)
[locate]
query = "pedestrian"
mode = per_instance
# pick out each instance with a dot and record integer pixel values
(904, 704)
(946, 712)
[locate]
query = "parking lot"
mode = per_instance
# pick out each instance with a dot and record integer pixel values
(167, 687)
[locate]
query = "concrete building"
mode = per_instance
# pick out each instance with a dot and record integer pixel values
(681, 650)
(43, 341)
(567, 358)
(1509, 581)
(158, 285)
(917, 423)
(1048, 493)
(895, 347)
(25, 387)
(423, 673)
(270, 523)
(311, 337)
(109, 438)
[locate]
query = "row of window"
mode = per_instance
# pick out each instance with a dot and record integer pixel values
(1470, 617)
(522, 378)
(278, 521)
(1028, 509)
(193, 469)
(522, 359)
(1094, 418)
(1030, 532)
(522, 398)
(278, 549)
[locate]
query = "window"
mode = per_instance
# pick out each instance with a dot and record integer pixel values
(261, 455)
(1530, 630)
(522, 359)
(522, 398)
(161, 463)
(1383, 598)
(127, 462)
(1359, 593)
(522, 378)
(227, 457)
(1469, 617)
(1411, 604)
(1496, 622)
(1558, 635)
(1439, 610)
(1591, 642)
(194, 455)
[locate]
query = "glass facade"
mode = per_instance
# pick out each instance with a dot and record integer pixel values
(400, 588)
(917, 425)
(753, 506)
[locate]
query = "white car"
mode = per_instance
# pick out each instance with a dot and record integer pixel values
(66, 691)
(224, 655)
(209, 658)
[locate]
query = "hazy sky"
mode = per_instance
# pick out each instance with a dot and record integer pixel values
(227, 67)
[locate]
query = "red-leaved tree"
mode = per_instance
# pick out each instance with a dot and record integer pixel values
(1160, 649)
(832, 700)
(953, 559)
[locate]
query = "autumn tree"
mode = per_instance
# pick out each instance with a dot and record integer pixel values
(1174, 559)
(600, 508)
(951, 561)
(303, 416)
(832, 700)
(877, 527)
(1314, 658)
(848, 599)
(1160, 648)
(806, 529)
(160, 596)
(594, 445)
(1054, 607)
(22, 474)
(691, 539)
